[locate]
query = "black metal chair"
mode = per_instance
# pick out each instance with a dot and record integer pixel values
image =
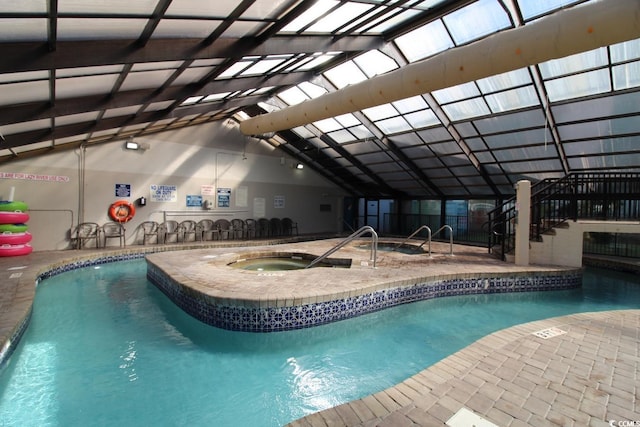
(275, 227)
(289, 226)
(263, 228)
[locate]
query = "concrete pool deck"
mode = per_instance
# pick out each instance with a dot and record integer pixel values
(587, 375)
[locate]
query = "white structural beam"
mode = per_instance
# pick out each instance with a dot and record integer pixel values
(570, 31)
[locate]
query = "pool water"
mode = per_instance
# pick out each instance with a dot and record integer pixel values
(106, 348)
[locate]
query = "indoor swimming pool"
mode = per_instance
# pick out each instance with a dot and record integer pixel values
(105, 347)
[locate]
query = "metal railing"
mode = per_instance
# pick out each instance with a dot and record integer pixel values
(611, 196)
(429, 235)
(358, 233)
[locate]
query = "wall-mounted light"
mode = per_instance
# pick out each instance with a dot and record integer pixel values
(299, 166)
(130, 145)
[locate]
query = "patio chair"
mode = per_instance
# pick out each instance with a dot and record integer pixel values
(275, 227)
(83, 232)
(207, 230)
(263, 228)
(188, 228)
(150, 229)
(224, 228)
(112, 230)
(237, 228)
(250, 228)
(289, 226)
(169, 228)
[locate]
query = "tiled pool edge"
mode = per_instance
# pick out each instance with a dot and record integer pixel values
(248, 318)
(72, 260)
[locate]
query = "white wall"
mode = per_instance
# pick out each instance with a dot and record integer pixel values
(64, 188)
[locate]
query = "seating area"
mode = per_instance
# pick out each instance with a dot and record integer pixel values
(93, 235)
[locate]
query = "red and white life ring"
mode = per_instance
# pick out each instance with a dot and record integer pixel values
(122, 211)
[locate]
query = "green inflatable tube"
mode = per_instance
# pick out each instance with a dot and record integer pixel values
(13, 228)
(13, 206)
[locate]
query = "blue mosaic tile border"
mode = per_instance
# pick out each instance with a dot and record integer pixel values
(272, 319)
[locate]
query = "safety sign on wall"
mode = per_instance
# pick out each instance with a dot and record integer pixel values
(194, 201)
(123, 190)
(163, 193)
(224, 197)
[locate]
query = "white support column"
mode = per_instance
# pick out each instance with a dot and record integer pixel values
(523, 220)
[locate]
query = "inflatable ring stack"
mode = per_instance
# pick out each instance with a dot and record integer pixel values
(14, 237)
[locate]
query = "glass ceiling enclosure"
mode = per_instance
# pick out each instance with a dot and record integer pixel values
(156, 65)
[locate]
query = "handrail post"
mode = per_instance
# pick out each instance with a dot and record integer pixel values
(360, 232)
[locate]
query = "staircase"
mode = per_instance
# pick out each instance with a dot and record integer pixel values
(597, 196)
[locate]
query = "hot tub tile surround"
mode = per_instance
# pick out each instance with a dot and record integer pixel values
(271, 311)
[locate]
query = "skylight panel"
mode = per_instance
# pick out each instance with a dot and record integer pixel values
(310, 15)
(393, 125)
(379, 112)
(86, 71)
(128, 7)
(199, 8)
(387, 22)
(347, 120)
(327, 125)
(24, 77)
(303, 132)
(339, 17)
(408, 105)
(361, 132)
(196, 28)
(476, 20)
(234, 69)
(345, 74)
(316, 62)
(456, 93)
(262, 67)
(342, 136)
(293, 96)
(192, 100)
(98, 29)
(504, 81)
(28, 29)
(466, 109)
(512, 99)
(216, 96)
(312, 90)
(533, 8)
(422, 119)
(578, 85)
(424, 41)
(375, 62)
(626, 76)
(625, 51)
(574, 63)
(25, 6)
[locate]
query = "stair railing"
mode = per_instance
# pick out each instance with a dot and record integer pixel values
(350, 238)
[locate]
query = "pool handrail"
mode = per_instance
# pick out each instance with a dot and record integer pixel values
(358, 233)
(429, 235)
